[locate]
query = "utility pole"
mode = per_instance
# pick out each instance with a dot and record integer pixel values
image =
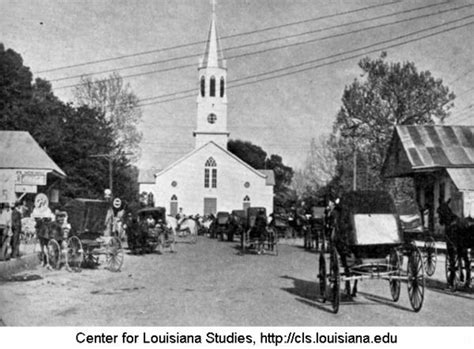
(110, 158)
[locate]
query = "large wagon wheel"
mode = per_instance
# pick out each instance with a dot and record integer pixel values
(416, 280)
(334, 281)
(75, 252)
(453, 269)
(322, 276)
(114, 254)
(395, 284)
(431, 256)
(54, 254)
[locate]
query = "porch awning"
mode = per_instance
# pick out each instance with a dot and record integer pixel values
(463, 178)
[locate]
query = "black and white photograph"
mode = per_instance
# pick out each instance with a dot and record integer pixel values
(235, 164)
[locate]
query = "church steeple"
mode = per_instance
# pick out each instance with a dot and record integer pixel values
(213, 55)
(212, 95)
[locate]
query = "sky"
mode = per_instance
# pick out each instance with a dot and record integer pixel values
(281, 111)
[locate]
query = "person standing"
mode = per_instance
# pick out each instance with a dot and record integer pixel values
(16, 230)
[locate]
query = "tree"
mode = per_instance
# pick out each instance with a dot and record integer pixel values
(318, 169)
(388, 94)
(69, 135)
(256, 157)
(250, 153)
(15, 87)
(119, 105)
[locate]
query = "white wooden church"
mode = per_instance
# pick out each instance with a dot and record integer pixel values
(210, 178)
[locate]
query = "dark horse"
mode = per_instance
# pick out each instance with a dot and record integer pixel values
(459, 238)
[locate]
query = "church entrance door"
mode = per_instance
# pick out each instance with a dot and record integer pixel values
(210, 206)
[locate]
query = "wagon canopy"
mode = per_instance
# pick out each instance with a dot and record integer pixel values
(369, 218)
(87, 215)
(158, 213)
(223, 218)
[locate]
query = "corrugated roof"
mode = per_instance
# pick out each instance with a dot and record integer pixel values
(438, 146)
(463, 178)
(18, 149)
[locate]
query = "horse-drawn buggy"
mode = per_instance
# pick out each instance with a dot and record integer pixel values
(148, 231)
(367, 243)
(87, 241)
(280, 223)
(222, 226)
(315, 233)
(257, 235)
(238, 222)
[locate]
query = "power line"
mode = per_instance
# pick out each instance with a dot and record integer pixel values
(251, 32)
(280, 47)
(167, 60)
(336, 55)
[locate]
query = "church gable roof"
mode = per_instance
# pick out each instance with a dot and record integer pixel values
(235, 158)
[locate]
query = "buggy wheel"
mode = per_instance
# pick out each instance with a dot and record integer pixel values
(334, 281)
(395, 284)
(75, 253)
(322, 276)
(453, 272)
(416, 280)
(430, 257)
(114, 254)
(54, 254)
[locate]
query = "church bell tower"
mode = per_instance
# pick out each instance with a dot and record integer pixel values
(212, 95)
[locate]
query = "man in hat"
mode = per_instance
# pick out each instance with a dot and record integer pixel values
(16, 230)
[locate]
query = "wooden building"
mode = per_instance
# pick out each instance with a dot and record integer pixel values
(440, 159)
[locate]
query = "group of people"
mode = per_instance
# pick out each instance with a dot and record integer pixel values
(10, 230)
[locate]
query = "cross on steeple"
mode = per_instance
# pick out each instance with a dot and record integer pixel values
(213, 3)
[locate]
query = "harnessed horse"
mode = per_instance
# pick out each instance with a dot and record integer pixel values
(459, 238)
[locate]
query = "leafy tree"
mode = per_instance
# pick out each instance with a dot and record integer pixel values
(15, 87)
(388, 94)
(69, 135)
(118, 103)
(256, 157)
(250, 153)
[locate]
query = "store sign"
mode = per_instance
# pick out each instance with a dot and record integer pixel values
(31, 177)
(26, 188)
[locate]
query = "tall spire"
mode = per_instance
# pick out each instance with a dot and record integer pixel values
(213, 55)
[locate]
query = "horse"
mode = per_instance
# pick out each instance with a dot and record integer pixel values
(187, 227)
(459, 238)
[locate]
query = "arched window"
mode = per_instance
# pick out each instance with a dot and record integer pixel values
(212, 87)
(210, 173)
(203, 86)
(222, 86)
(246, 203)
(174, 205)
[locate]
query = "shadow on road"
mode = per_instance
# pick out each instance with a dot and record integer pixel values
(383, 300)
(441, 287)
(308, 293)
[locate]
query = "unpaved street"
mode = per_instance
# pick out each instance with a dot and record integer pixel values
(210, 283)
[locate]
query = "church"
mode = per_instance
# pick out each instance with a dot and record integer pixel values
(210, 179)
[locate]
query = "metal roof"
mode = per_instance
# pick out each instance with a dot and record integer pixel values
(463, 178)
(19, 150)
(431, 146)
